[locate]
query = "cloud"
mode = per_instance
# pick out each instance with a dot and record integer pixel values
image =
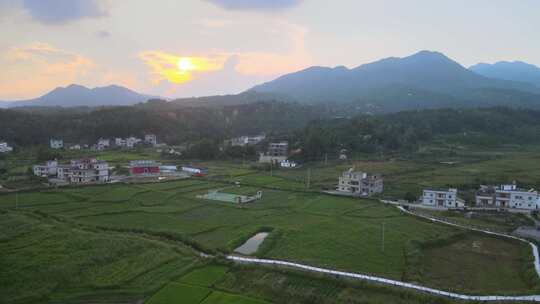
(61, 12)
(36, 68)
(224, 71)
(260, 5)
(103, 34)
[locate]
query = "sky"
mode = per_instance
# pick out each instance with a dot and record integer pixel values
(191, 48)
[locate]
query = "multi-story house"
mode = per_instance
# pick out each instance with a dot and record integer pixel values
(447, 198)
(55, 143)
(246, 140)
(49, 169)
(360, 183)
(276, 153)
(88, 170)
(507, 196)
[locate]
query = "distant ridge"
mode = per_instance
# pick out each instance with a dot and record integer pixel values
(76, 95)
(515, 70)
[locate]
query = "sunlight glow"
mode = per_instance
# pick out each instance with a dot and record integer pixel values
(185, 65)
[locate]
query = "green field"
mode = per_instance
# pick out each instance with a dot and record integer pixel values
(122, 243)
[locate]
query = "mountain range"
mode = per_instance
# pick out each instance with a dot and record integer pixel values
(423, 80)
(76, 96)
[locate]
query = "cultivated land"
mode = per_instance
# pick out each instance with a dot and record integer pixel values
(122, 243)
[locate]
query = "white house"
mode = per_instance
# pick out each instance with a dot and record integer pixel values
(4, 147)
(150, 139)
(447, 198)
(75, 147)
(56, 143)
(360, 183)
(119, 142)
(132, 141)
(103, 143)
(288, 164)
(49, 169)
(507, 196)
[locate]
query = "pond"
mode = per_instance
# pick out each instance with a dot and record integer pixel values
(252, 245)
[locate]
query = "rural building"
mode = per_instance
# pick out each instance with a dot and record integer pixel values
(360, 183)
(119, 142)
(55, 143)
(276, 153)
(150, 139)
(144, 167)
(132, 142)
(447, 198)
(288, 164)
(88, 170)
(246, 140)
(103, 143)
(195, 171)
(4, 147)
(168, 169)
(49, 169)
(75, 147)
(507, 196)
(81, 171)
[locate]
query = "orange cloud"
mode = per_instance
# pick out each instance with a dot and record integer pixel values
(178, 69)
(36, 68)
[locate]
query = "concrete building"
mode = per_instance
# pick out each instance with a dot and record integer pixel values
(49, 169)
(5, 148)
(103, 143)
(150, 139)
(119, 142)
(360, 183)
(55, 143)
(447, 198)
(277, 152)
(132, 142)
(507, 196)
(246, 140)
(88, 170)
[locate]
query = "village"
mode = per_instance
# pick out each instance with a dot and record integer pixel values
(278, 155)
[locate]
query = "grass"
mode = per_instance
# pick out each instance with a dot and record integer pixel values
(139, 236)
(179, 293)
(205, 276)
(43, 259)
(311, 228)
(474, 258)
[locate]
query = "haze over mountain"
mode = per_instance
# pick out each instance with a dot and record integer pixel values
(515, 70)
(76, 95)
(423, 80)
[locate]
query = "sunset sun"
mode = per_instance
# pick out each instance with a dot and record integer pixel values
(185, 65)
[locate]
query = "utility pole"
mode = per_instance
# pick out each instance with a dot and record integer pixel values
(271, 166)
(17, 200)
(325, 159)
(382, 237)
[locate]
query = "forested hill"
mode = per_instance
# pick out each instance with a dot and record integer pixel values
(172, 124)
(409, 130)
